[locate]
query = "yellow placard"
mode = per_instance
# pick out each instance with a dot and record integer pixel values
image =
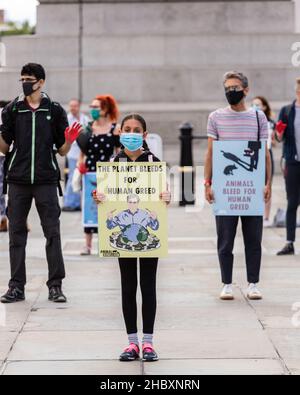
(133, 219)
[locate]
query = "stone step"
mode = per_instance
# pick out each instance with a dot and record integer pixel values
(153, 51)
(183, 17)
(189, 50)
(50, 51)
(161, 84)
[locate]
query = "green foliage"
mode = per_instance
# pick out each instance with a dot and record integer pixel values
(17, 29)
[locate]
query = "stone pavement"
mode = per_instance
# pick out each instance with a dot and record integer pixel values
(196, 333)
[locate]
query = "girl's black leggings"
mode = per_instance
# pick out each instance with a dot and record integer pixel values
(129, 281)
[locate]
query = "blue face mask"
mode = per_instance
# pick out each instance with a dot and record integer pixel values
(132, 141)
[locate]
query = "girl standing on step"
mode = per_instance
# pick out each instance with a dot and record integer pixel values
(133, 136)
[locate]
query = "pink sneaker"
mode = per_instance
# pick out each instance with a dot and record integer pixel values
(131, 353)
(149, 354)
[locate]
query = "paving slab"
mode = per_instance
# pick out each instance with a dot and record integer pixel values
(293, 366)
(215, 367)
(73, 368)
(67, 345)
(224, 343)
(75, 319)
(287, 342)
(212, 343)
(7, 339)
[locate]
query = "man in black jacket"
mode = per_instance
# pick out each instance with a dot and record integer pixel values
(288, 131)
(35, 128)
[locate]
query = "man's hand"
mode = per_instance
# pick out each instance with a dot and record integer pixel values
(280, 129)
(209, 194)
(72, 132)
(268, 193)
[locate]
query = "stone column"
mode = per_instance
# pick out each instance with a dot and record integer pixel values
(297, 16)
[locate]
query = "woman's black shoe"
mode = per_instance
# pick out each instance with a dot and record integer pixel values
(13, 295)
(287, 250)
(56, 295)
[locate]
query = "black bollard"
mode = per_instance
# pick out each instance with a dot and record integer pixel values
(186, 169)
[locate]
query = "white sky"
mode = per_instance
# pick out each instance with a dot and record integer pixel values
(19, 10)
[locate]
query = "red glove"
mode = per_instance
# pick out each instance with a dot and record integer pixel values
(82, 168)
(281, 127)
(72, 132)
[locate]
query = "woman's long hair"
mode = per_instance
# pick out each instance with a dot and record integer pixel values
(110, 106)
(268, 111)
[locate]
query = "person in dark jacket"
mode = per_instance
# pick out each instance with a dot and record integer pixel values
(33, 129)
(288, 131)
(3, 219)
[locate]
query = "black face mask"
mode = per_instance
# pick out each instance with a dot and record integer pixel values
(235, 97)
(28, 88)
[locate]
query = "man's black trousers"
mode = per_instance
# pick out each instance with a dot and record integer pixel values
(20, 199)
(292, 179)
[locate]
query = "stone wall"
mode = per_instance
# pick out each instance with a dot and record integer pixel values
(165, 59)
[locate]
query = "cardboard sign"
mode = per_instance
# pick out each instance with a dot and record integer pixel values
(239, 173)
(133, 219)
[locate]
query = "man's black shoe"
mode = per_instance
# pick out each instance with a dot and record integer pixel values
(13, 295)
(56, 295)
(287, 250)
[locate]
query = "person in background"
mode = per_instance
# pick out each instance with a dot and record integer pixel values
(237, 122)
(33, 125)
(72, 200)
(262, 104)
(288, 132)
(3, 218)
(99, 142)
